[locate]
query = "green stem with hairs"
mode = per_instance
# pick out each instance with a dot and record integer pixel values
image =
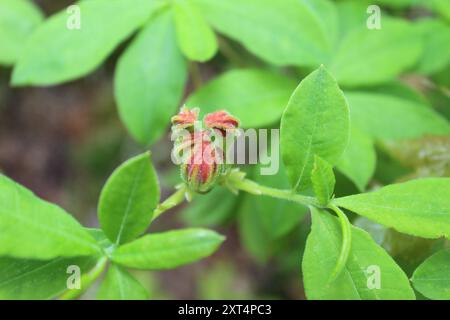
(257, 189)
(172, 201)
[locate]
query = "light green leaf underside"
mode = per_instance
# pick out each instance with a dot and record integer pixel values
(418, 207)
(281, 32)
(55, 53)
(432, 277)
(315, 122)
(119, 284)
(128, 199)
(33, 228)
(359, 159)
(18, 18)
(149, 79)
(387, 117)
(322, 250)
(323, 180)
(168, 250)
(195, 37)
(256, 97)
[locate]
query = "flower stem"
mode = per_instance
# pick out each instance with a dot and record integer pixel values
(257, 189)
(86, 280)
(346, 241)
(172, 201)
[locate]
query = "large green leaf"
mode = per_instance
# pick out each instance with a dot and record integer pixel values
(355, 280)
(315, 122)
(33, 228)
(149, 79)
(436, 53)
(418, 207)
(128, 199)
(368, 57)
(256, 97)
(432, 277)
(168, 250)
(37, 279)
(55, 53)
(359, 159)
(281, 32)
(196, 38)
(118, 284)
(388, 117)
(18, 18)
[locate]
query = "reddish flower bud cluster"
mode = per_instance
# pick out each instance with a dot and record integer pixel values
(203, 158)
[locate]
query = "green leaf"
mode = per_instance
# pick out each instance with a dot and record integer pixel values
(118, 284)
(33, 228)
(256, 97)
(352, 15)
(101, 238)
(276, 217)
(195, 37)
(315, 122)
(326, 14)
(204, 211)
(281, 32)
(27, 279)
(252, 232)
(355, 280)
(359, 159)
(128, 199)
(263, 221)
(168, 250)
(387, 117)
(55, 53)
(368, 57)
(323, 180)
(418, 207)
(436, 53)
(397, 3)
(432, 277)
(442, 7)
(150, 79)
(18, 18)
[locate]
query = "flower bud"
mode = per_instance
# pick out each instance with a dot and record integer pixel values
(185, 118)
(201, 150)
(203, 164)
(221, 120)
